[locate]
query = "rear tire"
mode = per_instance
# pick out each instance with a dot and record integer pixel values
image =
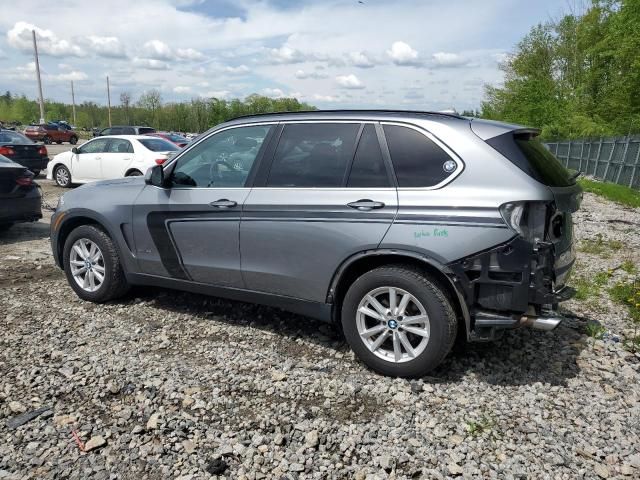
(405, 343)
(73, 140)
(47, 140)
(62, 176)
(36, 173)
(113, 283)
(134, 173)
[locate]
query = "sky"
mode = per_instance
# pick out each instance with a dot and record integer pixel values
(410, 54)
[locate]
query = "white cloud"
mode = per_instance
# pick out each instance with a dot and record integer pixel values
(157, 50)
(446, 59)
(349, 81)
(302, 75)
(273, 92)
(74, 75)
(20, 37)
(501, 57)
(361, 59)
(189, 54)
(181, 89)
(150, 64)
(220, 94)
(323, 98)
(109, 47)
(401, 53)
(239, 70)
(285, 54)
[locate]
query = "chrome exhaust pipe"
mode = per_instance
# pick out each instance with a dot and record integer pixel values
(545, 323)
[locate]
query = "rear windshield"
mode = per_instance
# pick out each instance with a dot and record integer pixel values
(158, 145)
(533, 158)
(7, 136)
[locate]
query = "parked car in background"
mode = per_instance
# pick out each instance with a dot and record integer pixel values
(179, 140)
(51, 133)
(405, 228)
(17, 147)
(123, 130)
(20, 198)
(104, 158)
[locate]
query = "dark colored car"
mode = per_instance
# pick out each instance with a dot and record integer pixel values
(174, 138)
(50, 133)
(24, 151)
(124, 130)
(19, 197)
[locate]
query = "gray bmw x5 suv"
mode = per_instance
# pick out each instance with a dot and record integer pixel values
(406, 229)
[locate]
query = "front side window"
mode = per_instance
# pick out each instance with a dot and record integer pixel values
(106, 131)
(313, 155)
(95, 146)
(223, 160)
(417, 160)
(368, 170)
(116, 131)
(118, 145)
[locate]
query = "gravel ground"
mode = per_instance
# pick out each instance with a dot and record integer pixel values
(173, 385)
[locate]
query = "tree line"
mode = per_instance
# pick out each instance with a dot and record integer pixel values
(196, 115)
(577, 76)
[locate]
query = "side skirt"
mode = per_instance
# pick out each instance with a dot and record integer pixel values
(316, 310)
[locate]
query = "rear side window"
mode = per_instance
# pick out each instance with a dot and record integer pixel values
(118, 145)
(143, 130)
(313, 155)
(417, 160)
(368, 170)
(158, 145)
(532, 157)
(106, 131)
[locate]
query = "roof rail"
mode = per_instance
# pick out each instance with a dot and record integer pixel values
(355, 111)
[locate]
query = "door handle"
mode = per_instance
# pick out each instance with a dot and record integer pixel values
(365, 204)
(223, 203)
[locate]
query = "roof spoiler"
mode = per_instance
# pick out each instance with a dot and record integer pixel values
(486, 129)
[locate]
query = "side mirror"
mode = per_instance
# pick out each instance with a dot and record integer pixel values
(155, 176)
(75, 150)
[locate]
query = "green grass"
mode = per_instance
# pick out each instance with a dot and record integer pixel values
(599, 246)
(612, 191)
(589, 287)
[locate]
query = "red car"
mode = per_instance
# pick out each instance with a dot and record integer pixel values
(49, 133)
(179, 140)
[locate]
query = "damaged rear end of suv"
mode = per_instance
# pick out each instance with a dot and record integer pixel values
(521, 282)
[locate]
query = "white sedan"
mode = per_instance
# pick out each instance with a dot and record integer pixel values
(105, 158)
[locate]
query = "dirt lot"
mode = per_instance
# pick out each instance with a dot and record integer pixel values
(173, 385)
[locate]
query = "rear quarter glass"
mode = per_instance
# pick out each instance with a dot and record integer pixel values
(532, 157)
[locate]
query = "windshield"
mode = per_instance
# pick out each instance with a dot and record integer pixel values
(158, 145)
(531, 156)
(8, 136)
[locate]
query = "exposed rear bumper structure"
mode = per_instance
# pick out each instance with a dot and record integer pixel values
(512, 286)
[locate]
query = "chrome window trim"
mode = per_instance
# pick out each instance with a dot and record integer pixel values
(454, 156)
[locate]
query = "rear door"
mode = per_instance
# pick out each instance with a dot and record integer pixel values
(189, 230)
(326, 195)
(116, 158)
(86, 164)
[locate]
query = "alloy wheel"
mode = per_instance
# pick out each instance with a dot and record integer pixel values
(62, 177)
(393, 324)
(87, 264)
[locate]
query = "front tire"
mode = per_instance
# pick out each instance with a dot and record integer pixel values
(398, 321)
(92, 265)
(62, 176)
(36, 173)
(47, 140)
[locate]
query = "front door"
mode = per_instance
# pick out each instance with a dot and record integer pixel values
(85, 165)
(190, 230)
(321, 202)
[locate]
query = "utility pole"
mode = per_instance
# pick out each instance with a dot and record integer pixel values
(41, 99)
(73, 103)
(109, 100)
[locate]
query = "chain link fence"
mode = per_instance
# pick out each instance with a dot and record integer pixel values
(614, 160)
